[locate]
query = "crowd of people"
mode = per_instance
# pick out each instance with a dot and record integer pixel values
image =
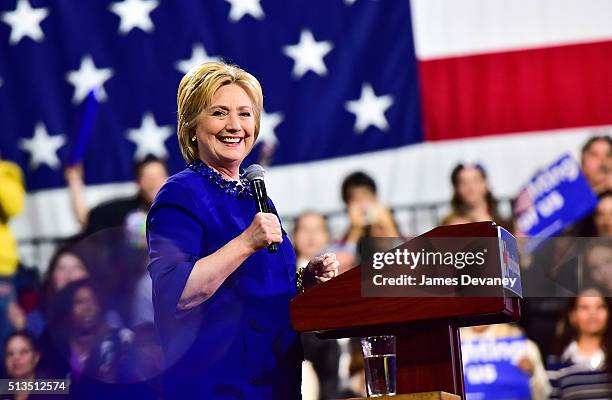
(89, 318)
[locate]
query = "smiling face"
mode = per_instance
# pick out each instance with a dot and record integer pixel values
(225, 129)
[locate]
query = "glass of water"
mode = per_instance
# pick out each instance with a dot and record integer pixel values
(380, 369)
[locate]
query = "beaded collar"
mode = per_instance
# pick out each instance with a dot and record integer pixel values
(239, 188)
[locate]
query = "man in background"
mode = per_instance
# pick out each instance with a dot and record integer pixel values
(150, 173)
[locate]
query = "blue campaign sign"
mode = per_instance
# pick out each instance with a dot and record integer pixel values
(490, 368)
(553, 199)
(509, 257)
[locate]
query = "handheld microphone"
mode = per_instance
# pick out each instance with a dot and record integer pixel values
(255, 176)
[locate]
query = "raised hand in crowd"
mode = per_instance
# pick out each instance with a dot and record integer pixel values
(76, 186)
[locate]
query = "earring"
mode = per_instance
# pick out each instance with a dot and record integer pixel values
(193, 139)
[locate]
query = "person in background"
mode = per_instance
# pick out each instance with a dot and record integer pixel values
(310, 239)
(596, 162)
(78, 343)
(367, 218)
(356, 382)
(66, 266)
(12, 199)
(310, 236)
(597, 265)
(151, 173)
(579, 368)
(596, 165)
(21, 357)
(596, 224)
(118, 229)
(602, 217)
(530, 362)
(472, 199)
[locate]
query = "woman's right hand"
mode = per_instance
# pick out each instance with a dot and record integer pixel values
(263, 231)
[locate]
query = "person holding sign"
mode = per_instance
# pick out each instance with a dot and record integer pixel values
(499, 363)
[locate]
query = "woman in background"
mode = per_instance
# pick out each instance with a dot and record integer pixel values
(580, 367)
(310, 236)
(472, 198)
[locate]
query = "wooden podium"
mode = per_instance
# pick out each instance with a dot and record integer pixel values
(426, 328)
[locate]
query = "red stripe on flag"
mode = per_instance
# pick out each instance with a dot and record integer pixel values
(517, 91)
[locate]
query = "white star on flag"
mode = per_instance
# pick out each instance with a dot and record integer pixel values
(135, 14)
(150, 138)
(369, 109)
(43, 147)
(25, 21)
(198, 56)
(267, 129)
(242, 7)
(88, 78)
(349, 2)
(308, 54)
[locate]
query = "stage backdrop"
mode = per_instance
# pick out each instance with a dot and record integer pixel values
(401, 89)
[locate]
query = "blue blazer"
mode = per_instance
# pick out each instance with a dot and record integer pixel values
(238, 344)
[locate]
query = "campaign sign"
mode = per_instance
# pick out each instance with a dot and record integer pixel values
(554, 198)
(509, 257)
(490, 369)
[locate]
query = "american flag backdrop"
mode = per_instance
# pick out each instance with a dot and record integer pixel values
(403, 89)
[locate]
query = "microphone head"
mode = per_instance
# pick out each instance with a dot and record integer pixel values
(254, 171)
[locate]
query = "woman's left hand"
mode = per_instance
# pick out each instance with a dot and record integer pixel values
(323, 267)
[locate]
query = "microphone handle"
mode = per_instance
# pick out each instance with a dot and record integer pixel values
(261, 202)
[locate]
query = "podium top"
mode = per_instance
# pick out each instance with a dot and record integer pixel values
(337, 307)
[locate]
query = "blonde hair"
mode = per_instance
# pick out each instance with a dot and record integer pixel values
(196, 91)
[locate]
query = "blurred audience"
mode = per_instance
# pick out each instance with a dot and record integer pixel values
(79, 344)
(66, 266)
(80, 326)
(579, 367)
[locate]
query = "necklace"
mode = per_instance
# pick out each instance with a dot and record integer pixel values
(239, 188)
